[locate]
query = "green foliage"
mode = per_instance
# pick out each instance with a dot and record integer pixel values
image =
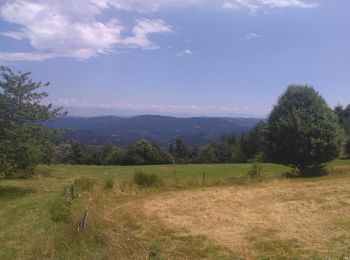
(302, 130)
(113, 156)
(208, 154)
(344, 120)
(24, 141)
(180, 151)
(59, 209)
(255, 170)
(144, 152)
(109, 182)
(146, 180)
(84, 183)
(253, 143)
(155, 252)
(225, 151)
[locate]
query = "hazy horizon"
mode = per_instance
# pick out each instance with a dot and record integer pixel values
(101, 112)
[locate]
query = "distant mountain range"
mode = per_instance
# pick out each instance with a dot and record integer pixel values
(122, 131)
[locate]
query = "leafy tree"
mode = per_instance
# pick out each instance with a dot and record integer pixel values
(208, 154)
(24, 141)
(229, 139)
(144, 152)
(238, 156)
(225, 151)
(253, 144)
(113, 156)
(303, 131)
(181, 151)
(79, 153)
(344, 120)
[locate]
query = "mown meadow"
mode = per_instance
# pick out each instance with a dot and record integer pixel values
(182, 214)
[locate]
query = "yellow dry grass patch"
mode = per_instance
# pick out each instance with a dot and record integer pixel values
(278, 218)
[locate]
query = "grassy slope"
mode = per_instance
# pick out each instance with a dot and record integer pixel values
(117, 224)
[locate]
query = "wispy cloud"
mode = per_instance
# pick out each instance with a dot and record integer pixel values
(184, 53)
(75, 29)
(20, 56)
(254, 5)
(230, 5)
(141, 31)
(159, 108)
(71, 29)
(251, 36)
(144, 6)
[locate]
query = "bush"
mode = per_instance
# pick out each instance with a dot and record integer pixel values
(155, 252)
(109, 182)
(146, 180)
(84, 183)
(59, 209)
(255, 170)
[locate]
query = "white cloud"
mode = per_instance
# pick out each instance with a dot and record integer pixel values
(184, 53)
(288, 3)
(141, 31)
(145, 6)
(230, 5)
(254, 5)
(252, 35)
(70, 29)
(74, 29)
(143, 108)
(22, 56)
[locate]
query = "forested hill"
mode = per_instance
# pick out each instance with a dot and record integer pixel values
(161, 129)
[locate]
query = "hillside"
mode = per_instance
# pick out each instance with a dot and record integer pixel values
(161, 129)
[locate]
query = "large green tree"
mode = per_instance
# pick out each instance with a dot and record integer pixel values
(303, 131)
(144, 152)
(24, 141)
(225, 151)
(344, 120)
(252, 144)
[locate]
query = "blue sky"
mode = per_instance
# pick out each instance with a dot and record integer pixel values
(178, 57)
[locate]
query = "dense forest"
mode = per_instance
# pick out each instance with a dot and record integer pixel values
(227, 150)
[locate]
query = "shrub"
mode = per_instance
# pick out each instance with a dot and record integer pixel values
(124, 185)
(255, 170)
(59, 209)
(155, 252)
(146, 180)
(84, 183)
(109, 182)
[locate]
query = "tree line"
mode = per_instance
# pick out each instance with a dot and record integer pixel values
(301, 131)
(143, 152)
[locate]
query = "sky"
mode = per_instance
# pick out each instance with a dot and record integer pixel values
(178, 57)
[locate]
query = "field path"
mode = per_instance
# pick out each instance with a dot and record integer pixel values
(299, 215)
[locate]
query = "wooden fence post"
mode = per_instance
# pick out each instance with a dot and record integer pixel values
(72, 192)
(176, 180)
(83, 222)
(67, 195)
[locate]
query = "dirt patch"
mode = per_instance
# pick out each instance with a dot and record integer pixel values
(283, 217)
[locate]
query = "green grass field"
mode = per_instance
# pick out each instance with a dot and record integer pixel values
(121, 225)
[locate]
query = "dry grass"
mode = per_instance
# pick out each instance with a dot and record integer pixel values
(269, 218)
(278, 219)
